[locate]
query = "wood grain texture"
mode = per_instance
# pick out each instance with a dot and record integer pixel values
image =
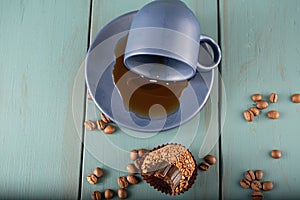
(207, 183)
(42, 46)
(260, 41)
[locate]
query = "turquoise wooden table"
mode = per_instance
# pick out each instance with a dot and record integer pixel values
(45, 150)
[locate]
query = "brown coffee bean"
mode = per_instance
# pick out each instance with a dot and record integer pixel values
(98, 172)
(122, 193)
(109, 129)
(248, 115)
(273, 98)
(245, 183)
(255, 185)
(89, 125)
(89, 96)
(295, 98)
(267, 185)
(275, 154)
(131, 169)
(259, 175)
(273, 114)
(108, 194)
(262, 104)
(132, 179)
(133, 154)
(257, 195)
(142, 152)
(122, 182)
(101, 124)
(105, 118)
(204, 166)
(210, 159)
(92, 179)
(96, 195)
(254, 110)
(249, 175)
(256, 97)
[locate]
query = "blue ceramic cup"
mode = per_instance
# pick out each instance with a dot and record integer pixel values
(164, 41)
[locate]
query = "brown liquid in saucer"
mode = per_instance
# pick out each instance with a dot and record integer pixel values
(141, 95)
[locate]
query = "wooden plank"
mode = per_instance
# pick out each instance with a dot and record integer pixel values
(207, 183)
(42, 46)
(260, 42)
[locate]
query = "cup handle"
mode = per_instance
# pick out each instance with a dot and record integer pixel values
(216, 51)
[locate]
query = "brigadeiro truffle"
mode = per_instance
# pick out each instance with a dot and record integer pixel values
(169, 168)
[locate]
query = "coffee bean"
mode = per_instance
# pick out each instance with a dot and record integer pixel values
(267, 185)
(98, 172)
(109, 129)
(273, 98)
(210, 159)
(256, 97)
(262, 104)
(245, 183)
(131, 169)
(101, 124)
(108, 194)
(122, 193)
(296, 98)
(257, 195)
(133, 154)
(273, 114)
(96, 195)
(254, 110)
(89, 125)
(255, 185)
(92, 179)
(122, 182)
(132, 179)
(259, 175)
(248, 115)
(105, 118)
(249, 175)
(275, 154)
(142, 152)
(204, 166)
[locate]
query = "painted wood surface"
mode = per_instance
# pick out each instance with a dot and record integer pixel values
(42, 46)
(260, 42)
(207, 183)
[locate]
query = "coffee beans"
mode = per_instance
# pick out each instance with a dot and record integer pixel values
(98, 172)
(92, 179)
(267, 185)
(108, 194)
(295, 98)
(210, 159)
(245, 183)
(256, 97)
(101, 124)
(122, 193)
(262, 104)
(133, 154)
(257, 195)
(142, 152)
(255, 185)
(273, 97)
(204, 166)
(131, 169)
(105, 118)
(249, 175)
(248, 115)
(122, 182)
(109, 129)
(259, 175)
(89, 125)
(254, 110)
(96, 195)
(273, 114)
(276, 154)
(132, 179)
